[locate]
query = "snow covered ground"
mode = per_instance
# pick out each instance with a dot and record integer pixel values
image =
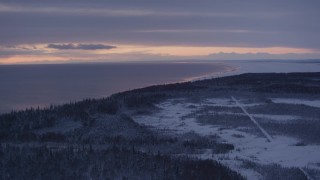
(178, 116)
(313, 103)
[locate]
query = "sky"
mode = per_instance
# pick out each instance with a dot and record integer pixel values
(62, 31)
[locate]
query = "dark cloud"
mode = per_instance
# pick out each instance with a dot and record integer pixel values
(245, 23)
(10, 51)
(71, 46)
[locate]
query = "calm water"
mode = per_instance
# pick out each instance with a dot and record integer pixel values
(23, 86)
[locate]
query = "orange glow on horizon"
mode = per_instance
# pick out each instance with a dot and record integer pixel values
(134, 52)
(202, 50)
(21, 59)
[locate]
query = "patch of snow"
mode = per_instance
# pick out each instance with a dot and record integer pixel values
(280, 150)
(277, 117)
(225, 102)
(168, 119)
(313, 103)
(281, 118)
(219, 101)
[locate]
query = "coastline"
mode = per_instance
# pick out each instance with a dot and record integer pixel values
(227, 69)
(238, 67)
(229, 72)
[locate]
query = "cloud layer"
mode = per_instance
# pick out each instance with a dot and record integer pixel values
(246, 23)
(94, 24)
(71, 46)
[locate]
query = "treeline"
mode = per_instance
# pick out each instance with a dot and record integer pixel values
(307, 131)
(275, 171)
(285, 109)
(115, 163)
(268, 82)
(20, 124)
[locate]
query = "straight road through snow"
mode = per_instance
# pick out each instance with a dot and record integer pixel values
(252, 119)
(263, 131)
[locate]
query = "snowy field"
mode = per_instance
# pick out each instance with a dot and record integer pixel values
(313, 103)
(252, 141)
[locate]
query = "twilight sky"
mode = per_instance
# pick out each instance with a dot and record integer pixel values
(42, 31)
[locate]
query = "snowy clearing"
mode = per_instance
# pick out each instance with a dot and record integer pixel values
(280, 149)
(313, 103)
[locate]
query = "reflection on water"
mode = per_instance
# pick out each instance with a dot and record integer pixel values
(23, 86)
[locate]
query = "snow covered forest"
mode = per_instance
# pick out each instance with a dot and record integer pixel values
(249, 126)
